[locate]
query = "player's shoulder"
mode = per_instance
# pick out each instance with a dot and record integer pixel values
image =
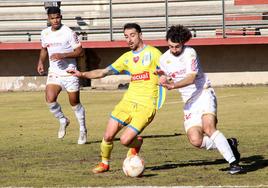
(165, 55)
(66, 28)
(153, 49)
(189, 50)
(46, 30)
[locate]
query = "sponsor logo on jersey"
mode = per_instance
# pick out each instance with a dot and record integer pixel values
(141, 76)
(177, 73)
(47, 45)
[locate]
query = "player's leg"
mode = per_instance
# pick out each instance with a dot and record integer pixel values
(130, 139)
(209, 127)
(72, 86)
(194, 130)
(106, 147)
(141, 117)
(52, 91)
(74, 99)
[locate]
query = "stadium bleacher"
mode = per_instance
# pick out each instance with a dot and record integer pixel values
(24, 20)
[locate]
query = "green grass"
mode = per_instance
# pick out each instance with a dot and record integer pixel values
(31, 154)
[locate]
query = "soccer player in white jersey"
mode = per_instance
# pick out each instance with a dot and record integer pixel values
(62, 46)
(181, 70)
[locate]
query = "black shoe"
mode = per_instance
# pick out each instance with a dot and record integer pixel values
(233, 142)
(236, 169)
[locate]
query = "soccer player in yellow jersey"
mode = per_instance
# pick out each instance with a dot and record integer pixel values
(138, 107)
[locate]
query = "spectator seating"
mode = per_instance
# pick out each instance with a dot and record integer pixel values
(24, 20)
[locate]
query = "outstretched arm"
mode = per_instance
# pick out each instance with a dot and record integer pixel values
(97, 73)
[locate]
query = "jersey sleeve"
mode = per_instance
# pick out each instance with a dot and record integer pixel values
(42, 39)
(120, 64)
(191, 61)
(74, 40)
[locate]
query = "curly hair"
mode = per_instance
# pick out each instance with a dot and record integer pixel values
(178, 34)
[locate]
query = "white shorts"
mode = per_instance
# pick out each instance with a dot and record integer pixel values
(206, 103)
(69, 83)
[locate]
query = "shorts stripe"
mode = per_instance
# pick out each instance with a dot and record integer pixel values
(136, 130)
(119, 121)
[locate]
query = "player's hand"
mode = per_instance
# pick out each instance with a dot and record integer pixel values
(163, 80)
(168, 86)
(40, 68)
(159, 72)
(75, 72)
(57, 56)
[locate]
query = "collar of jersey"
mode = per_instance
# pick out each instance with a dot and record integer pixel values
(137, 52)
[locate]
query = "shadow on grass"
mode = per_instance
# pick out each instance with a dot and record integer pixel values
(250, 164)
(144, 137)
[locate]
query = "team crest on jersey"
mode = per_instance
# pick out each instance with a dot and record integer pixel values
(146, 59)
(168, 62)
(136, 59)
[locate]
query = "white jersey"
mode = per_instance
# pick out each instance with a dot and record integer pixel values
(178, 67)
(63, 40)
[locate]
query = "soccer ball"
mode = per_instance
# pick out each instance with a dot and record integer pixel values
(133, 166)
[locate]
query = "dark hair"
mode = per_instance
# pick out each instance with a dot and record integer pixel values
(133, 26)
(179, 34)
(53, 10)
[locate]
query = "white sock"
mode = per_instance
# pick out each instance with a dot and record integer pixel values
(207, 143)
(223, 146)
(80, 115)
(55, 109)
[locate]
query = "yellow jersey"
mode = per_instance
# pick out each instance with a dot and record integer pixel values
(143, 88)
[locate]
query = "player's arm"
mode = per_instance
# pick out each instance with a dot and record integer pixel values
(188, 80)
(97, 73)
(41, 61)
(78, 52)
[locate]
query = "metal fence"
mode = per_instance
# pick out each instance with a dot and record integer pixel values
(103, 19)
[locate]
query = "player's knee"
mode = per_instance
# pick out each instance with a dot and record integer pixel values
(125, 140)
(209, 129)
(108, 137)
(50, 99)
(196, 142)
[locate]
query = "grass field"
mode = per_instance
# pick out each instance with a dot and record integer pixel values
(31, 154)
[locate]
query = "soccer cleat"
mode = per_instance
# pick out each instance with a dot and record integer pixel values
(233, 142)
(100, 168)
(62, 129)
(82, 137)
(135, 151)
(235, 169)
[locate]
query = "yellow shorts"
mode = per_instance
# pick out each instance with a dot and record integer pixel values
(133, 115)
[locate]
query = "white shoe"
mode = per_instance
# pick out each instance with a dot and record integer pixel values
(82, 137)
(62, 129)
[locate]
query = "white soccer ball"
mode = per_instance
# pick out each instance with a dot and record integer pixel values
(133, 166)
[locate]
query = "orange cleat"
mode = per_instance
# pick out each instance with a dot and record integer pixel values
(100, 168)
